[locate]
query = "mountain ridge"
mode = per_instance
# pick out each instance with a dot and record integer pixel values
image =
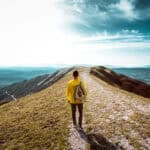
(113, 118)
(26, 87)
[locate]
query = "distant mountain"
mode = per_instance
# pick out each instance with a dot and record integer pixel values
(117, 66)
(146, 66)
(27, 87)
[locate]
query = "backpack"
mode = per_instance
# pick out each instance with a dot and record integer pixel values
(79, 93)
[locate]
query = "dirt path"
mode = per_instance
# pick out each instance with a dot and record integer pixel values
(76, 140)
(120, 116)
(123, 118)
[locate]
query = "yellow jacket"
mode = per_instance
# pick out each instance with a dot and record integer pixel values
(71, 89)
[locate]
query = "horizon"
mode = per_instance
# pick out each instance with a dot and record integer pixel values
(93, 32)
(70, 65)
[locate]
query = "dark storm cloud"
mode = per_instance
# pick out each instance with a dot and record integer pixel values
(142, 4)
(97, 16)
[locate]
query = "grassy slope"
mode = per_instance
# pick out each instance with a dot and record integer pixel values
(38, 121)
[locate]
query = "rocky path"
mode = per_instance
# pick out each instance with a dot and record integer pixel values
(122, 117)
(77, 139)
(118, 115)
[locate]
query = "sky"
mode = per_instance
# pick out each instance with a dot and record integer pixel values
(97, 32)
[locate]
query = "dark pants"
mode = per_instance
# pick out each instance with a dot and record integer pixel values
(80, 109)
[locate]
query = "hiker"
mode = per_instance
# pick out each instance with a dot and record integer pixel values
(76, 95)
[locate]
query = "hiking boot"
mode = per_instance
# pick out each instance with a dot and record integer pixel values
(74, 125)
(80, 127)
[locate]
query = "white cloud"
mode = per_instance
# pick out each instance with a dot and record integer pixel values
(123, 36)
(127, 8)
(130, 31)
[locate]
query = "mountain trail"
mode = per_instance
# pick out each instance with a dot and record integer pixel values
(119, 116)
(113, 119)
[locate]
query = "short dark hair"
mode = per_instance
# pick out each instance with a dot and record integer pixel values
(75, 74)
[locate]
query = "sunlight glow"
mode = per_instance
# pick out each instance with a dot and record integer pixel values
(35, 34)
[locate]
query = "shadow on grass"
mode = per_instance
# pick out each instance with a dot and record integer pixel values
(97, 141)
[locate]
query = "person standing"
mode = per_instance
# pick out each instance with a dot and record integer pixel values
(76, 94)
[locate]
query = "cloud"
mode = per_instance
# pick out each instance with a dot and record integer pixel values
(57, 31)
(92, 16)
(126, 8)
(124, 37)
(142, 4)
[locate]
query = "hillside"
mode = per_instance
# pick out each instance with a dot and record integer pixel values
(113, 119)
(121, 81)
(37, 121)
(17, 90)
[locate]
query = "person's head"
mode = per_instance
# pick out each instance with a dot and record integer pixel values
(75, 74)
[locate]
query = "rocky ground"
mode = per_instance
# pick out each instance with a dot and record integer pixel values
(117, 115)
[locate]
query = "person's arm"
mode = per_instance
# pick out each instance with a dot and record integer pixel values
(67, 92)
